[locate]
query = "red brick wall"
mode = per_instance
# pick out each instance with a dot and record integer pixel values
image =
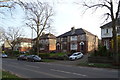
(24, 49)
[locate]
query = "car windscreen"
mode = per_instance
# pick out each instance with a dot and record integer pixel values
(37, 57)
(22, 55)
(74, 54)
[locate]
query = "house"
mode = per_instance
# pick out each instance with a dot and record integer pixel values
(6, 45)
(77, 40)
(47, 42)
(24, 44)
(106, 33)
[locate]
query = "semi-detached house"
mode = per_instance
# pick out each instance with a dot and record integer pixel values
(77, 40)
(24, 44)
(47, 42)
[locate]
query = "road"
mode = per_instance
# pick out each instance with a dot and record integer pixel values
(26, 69)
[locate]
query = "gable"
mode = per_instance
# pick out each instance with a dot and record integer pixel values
(110, 24)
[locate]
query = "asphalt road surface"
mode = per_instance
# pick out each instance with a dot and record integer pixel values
(26, 69)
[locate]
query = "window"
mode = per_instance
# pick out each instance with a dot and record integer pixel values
(73, 46)
(118, 30)
(64, 46)
(82, 37)
(106, 43)
(64, 39)
(73, 38)
(106, 30)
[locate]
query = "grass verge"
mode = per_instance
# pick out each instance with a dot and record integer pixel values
(99, 65)
(8, 76)
(57, 54)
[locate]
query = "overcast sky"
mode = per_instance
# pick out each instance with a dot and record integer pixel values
(67, 15)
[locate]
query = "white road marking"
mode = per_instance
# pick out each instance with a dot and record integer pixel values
(57, 64)
(68, 72)
(45, 73)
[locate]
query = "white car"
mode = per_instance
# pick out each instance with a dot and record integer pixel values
(76, 55)
(4, 56)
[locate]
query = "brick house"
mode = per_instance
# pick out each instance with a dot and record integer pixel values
(24, 44)
(77, 40)
(106, 33)
(47, 42)
(6, 46)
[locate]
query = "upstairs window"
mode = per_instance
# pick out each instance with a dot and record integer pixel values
(73, 38)
(82, 37)
(118, 30)
(107, 31)
(64, 39)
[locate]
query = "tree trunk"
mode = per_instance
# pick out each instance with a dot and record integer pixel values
(115, 45)
(37, 44)
(12, 48)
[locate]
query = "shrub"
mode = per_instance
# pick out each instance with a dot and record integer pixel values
(15, 52)
(44, 55)
(12, 53)
(58, 56)
(102, 51)
(73, 51)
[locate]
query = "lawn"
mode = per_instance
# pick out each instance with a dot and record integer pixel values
(57, 54)
(98, 65)
(8, 76)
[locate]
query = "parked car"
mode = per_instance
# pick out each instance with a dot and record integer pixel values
(22, 57)
(4, 55)
(33, 58)
(76, 55)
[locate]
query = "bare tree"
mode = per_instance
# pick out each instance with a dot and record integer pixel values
(39, 17)
(110, 6)
(12, 36)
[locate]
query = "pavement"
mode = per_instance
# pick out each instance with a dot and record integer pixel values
(31, 70)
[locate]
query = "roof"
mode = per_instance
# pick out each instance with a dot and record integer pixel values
(25, 40)
(47, 36)
(79, 31)
(110, 24)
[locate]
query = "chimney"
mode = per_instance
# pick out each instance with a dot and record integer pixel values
(73, 30)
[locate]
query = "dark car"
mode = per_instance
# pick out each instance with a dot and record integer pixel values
(33, 58)
(22, 57)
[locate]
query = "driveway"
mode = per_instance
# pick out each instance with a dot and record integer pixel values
(74, 63)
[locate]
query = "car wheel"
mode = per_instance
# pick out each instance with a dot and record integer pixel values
(33, 60)
(28, 60)
(75, 58)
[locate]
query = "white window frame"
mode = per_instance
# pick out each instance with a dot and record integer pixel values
(106, 43)
(73, 38)
(73, 46)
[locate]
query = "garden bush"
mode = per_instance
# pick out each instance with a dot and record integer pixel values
(44, 55)
(12, 53)
(102, 51)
